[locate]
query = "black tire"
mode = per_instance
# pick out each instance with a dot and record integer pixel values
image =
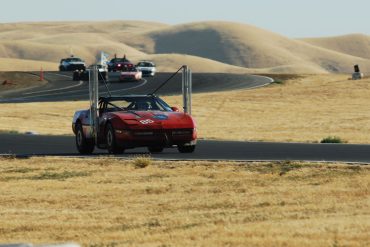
(61, 68)
(186, 149)
(110, 137)
(76, 76)
(155, 149)
(84, 146)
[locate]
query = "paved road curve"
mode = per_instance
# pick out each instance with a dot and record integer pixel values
(62, 88)
(207, 150)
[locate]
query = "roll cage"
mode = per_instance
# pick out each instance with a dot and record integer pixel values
(133, 103)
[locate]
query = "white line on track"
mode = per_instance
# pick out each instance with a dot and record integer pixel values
(268, 83)
(133, 155)
(61, 93)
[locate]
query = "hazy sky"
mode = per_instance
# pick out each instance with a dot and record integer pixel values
(293, 18)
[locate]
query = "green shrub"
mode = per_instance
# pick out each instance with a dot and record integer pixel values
(332, 139)
(142, 161)
(277, 81)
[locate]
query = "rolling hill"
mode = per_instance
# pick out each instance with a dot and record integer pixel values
(205, 46)
(352, 44)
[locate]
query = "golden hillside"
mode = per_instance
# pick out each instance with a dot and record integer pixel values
(353, 44)
(205, 46)
(11, 64)
(246, 46)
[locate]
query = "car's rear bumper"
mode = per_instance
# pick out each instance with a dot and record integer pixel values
(131, 78)
(73, 67)
(148, 73)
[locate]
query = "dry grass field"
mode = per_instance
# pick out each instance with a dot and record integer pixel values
(302, 109)
(141, 202)
(12, 81)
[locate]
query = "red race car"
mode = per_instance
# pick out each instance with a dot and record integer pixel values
(135, 121)
(118, 64)
(130, 74)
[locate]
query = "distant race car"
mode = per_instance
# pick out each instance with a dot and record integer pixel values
(148, 68)
(72, 64)
(118, 64)
(135, 121)
(130, 74)
(84, 75)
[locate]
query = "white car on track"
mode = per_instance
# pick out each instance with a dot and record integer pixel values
(71, 64)
(147, 68)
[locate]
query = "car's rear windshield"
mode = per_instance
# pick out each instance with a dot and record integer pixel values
(119, 60)
(74, 59)
(145, 64)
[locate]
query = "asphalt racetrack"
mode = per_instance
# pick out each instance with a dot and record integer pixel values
(28, 145)
(62, 88)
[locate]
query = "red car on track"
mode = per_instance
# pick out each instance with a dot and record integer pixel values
(135, 121)
(130, 74)
(118, 64)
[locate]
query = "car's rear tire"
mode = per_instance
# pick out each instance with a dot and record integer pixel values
(186, 149)
(84, 145)
(110, 137)
(155, 149)
(76, 76)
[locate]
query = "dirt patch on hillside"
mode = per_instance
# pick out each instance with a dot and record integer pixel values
(10, 81)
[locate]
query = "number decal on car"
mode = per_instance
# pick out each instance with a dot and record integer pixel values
(146, 121)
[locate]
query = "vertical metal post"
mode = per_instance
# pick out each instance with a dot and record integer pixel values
(190, 89)
(94, 101)
(186, 88)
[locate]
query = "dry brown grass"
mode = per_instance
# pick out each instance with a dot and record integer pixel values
(13, 64)
(109, 202)
(12, 81)
(305, 109)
